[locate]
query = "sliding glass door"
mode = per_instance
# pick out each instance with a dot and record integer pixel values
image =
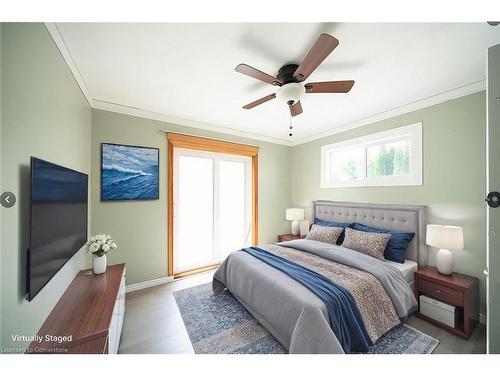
(212, 207)
(193, 212)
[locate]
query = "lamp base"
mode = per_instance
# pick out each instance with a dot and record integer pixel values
(295, 227)
(444, 261)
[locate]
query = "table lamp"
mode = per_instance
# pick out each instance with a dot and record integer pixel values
(295, 215)
(446, 238)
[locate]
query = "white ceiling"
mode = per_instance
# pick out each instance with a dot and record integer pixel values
(186, 71)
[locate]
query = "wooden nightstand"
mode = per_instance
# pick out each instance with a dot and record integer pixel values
(288, 237)
(456, 289)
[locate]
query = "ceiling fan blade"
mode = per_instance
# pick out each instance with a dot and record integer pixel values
(329, 87)
(259, 101)
(296, 109)
(257, 74)
(323, 46)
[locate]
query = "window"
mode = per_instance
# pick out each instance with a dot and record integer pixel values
(388, 158)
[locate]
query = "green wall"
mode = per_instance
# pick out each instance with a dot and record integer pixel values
(44, 114)
(140, 227)
(454, 161)
(1, 183)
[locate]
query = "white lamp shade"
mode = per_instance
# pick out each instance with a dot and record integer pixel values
(295, 214)
(445, 237)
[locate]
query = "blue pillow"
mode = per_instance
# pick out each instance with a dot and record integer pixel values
(397, 245)
(325, 223)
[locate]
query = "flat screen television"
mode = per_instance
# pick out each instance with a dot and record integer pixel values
(58, 220)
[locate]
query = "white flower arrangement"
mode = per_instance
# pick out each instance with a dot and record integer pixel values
(100, 244)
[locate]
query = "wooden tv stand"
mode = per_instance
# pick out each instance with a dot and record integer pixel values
(88, 318)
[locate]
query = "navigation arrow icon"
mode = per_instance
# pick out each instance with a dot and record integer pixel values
(7, 199)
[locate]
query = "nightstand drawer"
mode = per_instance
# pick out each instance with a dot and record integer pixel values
(441, 292)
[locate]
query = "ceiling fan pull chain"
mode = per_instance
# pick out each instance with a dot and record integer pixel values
(291, 127)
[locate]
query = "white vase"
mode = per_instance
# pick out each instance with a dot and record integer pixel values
(444, 261)
(99, 265)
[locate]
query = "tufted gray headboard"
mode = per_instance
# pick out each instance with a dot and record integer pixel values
(387, 216)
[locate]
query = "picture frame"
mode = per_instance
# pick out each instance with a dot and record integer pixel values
(129, 172)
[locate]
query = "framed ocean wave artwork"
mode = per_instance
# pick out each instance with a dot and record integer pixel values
(129, 172)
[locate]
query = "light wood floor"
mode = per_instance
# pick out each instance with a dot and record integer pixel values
(153, 324)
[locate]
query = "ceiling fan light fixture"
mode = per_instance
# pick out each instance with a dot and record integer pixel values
(291, 92)
(291, 78)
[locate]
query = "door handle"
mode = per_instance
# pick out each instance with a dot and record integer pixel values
(493, 199)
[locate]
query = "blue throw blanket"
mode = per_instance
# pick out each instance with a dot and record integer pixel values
(345, 318)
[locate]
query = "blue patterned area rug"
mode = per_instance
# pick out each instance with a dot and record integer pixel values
(219, 324)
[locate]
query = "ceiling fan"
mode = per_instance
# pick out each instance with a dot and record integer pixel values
(290, 77)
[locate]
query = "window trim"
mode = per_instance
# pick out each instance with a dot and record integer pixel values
(414, 131)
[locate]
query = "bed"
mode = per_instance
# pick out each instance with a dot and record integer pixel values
(301, 320)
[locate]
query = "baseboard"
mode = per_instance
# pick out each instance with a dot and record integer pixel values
(148, 284)
(482, 319)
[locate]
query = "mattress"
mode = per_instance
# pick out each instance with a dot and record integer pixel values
(408, 268)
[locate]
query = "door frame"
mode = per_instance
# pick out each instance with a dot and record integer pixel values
(492, 184)
(212, 145)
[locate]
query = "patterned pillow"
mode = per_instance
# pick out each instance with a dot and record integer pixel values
(397, 245)
(325, 223)
(324, 234)
(368, 243)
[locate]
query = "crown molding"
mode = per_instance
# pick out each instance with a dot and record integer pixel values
(139, 112)
(420, 104)
(63, 49)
